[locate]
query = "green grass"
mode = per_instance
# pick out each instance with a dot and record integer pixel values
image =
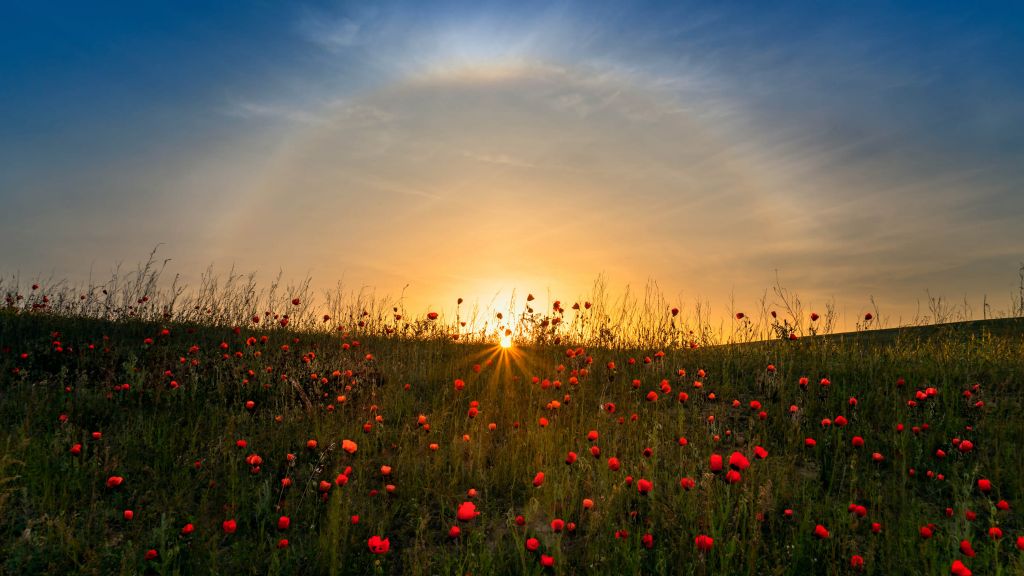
(58, 516)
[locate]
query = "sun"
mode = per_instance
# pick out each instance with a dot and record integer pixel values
(505, 341)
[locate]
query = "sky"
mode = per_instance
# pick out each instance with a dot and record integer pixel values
(466, 149)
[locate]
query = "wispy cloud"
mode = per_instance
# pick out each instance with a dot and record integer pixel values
(253, 110)
(499, 159)
(329, 32)
(384, 185)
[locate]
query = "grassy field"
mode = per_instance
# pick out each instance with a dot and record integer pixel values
(140, 447)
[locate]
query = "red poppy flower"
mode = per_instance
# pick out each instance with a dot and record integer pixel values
(229, 526)
(466, 512)
(821, 532)
(538, 479)
(704, 542)
(958, 569)
(378, 545)
(715, 463)
(644, 486)
(738, 461)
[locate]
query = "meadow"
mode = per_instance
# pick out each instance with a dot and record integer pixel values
(246, 433)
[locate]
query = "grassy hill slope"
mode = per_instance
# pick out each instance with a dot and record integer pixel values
(216, 434)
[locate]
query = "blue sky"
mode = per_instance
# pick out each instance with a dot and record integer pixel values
(461, 148)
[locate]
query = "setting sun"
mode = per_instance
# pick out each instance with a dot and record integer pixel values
(505, 341)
